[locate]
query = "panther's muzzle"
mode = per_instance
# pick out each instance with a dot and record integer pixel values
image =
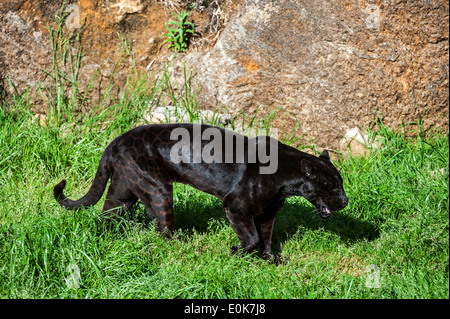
(325, 211)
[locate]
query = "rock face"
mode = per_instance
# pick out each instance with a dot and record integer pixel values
(22, 43)
(172, 114)
(335, 64)
(114, 35)
(358, 143)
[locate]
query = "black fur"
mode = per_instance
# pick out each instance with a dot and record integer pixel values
(139, 166)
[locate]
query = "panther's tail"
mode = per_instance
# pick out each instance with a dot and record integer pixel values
(93, 195)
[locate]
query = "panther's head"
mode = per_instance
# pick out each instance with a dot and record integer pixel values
(322, 185)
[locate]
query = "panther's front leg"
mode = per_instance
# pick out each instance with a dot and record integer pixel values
(264, 224)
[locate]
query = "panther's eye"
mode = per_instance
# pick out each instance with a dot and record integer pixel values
(327, 184)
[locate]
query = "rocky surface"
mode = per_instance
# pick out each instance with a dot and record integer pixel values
(172, 114)
(358, 142)
(335, 65)
(22, 44)
(115, 37)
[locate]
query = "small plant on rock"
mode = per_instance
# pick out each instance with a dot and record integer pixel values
(179, 36)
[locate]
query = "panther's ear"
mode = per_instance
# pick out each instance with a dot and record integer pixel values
(325, 155)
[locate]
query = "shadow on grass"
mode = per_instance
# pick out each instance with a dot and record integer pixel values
(295, 216)
(190, 215)
(196, 215)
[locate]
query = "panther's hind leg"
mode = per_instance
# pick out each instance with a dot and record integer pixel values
(118, 198)
(242, 223)
(158, 201)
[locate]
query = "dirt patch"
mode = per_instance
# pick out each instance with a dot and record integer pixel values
(115, 37)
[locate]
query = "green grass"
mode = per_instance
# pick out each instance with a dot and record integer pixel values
(397, 219)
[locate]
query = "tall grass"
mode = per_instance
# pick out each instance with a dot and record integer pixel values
(397, 218)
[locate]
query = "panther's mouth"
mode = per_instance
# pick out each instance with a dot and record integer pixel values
(324, 212)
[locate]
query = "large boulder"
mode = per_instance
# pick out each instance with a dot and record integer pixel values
(334, 64)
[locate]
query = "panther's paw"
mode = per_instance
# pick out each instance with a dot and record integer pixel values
(277, 260)
(235, 249)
